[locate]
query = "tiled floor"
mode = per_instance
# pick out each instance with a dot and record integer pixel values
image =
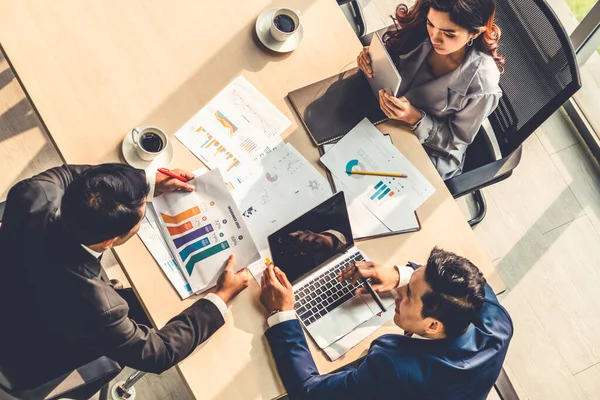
(542, 230)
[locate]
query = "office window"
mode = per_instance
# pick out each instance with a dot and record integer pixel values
(581, 19)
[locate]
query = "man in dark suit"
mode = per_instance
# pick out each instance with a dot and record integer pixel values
(58, 309)
(460, 335)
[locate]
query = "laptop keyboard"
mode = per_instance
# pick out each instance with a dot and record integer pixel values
(324, 293)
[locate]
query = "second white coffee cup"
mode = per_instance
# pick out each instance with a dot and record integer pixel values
(149, 142)
(284, 24)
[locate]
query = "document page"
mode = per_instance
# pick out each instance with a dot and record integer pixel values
(151, 235)
(365, 149)
(236, 127)
(279, 189)
(204, 227)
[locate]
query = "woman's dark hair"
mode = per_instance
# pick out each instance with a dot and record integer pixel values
(457, 290)
(104, 202)
(411, 25)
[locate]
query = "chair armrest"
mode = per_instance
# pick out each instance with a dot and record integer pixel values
(2, 205)
(486, 175)
(86, 380)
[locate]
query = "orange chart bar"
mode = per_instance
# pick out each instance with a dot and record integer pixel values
(175, 219)
(178, 230)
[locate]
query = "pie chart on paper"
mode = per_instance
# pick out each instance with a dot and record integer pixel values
(271, 177)
(355, 165)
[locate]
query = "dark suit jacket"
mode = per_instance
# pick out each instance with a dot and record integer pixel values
(57, 312)
(399, 367)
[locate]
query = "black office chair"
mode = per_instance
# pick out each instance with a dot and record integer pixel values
(82, 383)
(541, 74)
(359, 19)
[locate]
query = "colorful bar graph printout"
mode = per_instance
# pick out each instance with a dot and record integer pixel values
(217, 248)
(212, 142)
(193, 247)
(178, 230)
(175, 219)
(193, 235)
(381, 190)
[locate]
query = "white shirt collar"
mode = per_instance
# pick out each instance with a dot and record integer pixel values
(92, 252)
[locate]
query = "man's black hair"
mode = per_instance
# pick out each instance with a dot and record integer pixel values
(104, 202)
(456, 291)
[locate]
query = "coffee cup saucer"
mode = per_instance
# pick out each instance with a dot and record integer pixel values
(131, 157)
(263, 24)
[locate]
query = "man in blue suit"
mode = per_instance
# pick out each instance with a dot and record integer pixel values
(459, 335)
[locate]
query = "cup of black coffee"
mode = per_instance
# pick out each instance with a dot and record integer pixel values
(149, 141)
(284, 24)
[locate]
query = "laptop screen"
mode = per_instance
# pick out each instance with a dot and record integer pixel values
(314, 238)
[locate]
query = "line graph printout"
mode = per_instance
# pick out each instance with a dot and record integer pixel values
(364, 148)
(203, 228)
(236, 127)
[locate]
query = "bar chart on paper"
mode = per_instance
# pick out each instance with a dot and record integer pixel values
(390, 199)
(222, 157)
(202, 228)
(238, 126)
(196, 239)
(383, 190)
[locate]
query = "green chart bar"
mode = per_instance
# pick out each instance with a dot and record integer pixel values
(217, 248)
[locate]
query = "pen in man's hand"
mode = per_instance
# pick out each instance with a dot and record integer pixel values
(373, 294)
(172, 175)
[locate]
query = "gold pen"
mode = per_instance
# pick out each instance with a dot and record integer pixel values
(376, 173)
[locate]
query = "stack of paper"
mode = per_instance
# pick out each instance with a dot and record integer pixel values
(236, 127)
(392, 201)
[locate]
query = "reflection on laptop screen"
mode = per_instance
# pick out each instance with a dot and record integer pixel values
(317, 236)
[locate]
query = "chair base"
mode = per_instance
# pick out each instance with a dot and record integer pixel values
(118, 392)
(481, 208)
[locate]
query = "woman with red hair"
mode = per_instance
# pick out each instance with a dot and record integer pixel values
(447, 54)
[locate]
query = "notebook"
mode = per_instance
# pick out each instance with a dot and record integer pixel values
(332, 107)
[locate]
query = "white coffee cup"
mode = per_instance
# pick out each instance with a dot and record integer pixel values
(146, 140)
(288, 14)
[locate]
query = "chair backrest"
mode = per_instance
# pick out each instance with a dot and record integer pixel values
(541, 71)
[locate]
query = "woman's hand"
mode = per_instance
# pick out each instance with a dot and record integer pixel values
(398, 108)
(364, 62)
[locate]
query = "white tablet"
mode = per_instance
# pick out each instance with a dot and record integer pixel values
(385, 74)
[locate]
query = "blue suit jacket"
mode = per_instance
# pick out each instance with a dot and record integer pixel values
(399, 367)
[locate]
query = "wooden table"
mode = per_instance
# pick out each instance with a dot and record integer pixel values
(95, 69)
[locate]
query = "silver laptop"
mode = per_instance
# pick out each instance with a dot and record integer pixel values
(312, 251)
(385, 74)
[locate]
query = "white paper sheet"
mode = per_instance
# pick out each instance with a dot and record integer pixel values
(151, 236)
(361, 332)
(280, 188)
(363, 148)
(363, 222)
(203, 228)
(237, 126)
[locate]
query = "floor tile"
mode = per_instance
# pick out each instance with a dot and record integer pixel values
(583, 177)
